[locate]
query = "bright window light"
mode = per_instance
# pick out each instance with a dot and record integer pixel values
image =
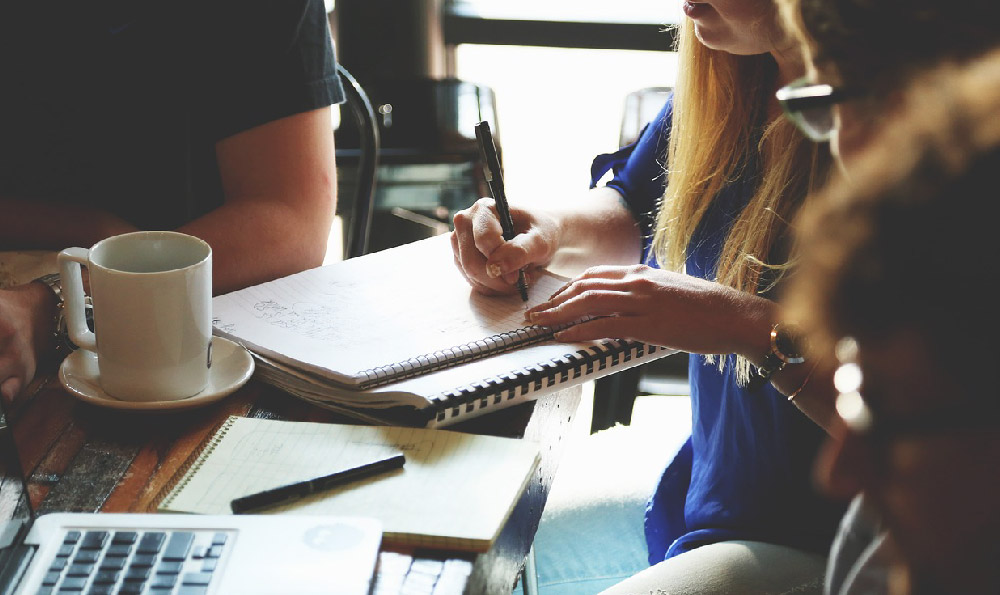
(558, 108)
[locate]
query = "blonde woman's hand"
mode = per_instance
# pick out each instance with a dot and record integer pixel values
(489, 263)
(659, 307)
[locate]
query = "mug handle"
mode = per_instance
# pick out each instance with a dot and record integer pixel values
(70, 262)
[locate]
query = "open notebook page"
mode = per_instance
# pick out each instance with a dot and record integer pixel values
(456, 490)
(343, 319)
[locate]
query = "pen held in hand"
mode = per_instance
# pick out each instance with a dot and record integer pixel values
(301, 489)
(494, 179)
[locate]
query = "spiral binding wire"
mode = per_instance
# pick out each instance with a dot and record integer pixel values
(183, 475)
(452, 356)
(571, 366)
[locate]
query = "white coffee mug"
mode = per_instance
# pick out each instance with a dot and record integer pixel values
(152, 300)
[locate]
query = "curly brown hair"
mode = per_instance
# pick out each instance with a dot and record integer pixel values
(878, 45)
(909, 241)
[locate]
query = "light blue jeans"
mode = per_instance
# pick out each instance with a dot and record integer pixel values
(588, 558)
(730, 567)
(591, 533)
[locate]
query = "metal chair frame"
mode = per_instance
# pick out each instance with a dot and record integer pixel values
(359, 229)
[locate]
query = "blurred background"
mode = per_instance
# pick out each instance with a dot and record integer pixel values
(560, 81)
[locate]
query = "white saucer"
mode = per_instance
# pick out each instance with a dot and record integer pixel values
(232, 366)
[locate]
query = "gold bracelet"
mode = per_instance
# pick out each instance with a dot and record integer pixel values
(804, 382)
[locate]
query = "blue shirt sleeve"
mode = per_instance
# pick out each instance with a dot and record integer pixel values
(639, 171)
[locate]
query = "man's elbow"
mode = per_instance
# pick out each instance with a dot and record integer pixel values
(314, 229)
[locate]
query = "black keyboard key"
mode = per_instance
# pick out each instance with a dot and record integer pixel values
(197, 578)
(106, 577)
(145, 560)
(101, 590)
(151, 542)
(178, 546)
(112, 564)
(86, 556)
(73, 583)
(137, 573)
(51, 578)
(66, 549)
(71, 537)
(131, 588)
(163, 581)
(80, 570)
(124, 537)
(169, 567)
(94, 540)
(58, 564)
(119, 550)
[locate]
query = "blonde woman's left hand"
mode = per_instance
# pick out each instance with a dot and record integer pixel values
(656, 306)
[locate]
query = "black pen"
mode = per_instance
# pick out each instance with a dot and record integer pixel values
(294, 491)
(494, 178)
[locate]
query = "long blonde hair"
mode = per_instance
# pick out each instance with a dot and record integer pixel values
(720, 127)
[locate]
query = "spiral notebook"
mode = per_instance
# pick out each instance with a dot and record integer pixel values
(429, 502)
(399, 336)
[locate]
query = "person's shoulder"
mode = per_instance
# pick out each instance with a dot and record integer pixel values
(250, 32)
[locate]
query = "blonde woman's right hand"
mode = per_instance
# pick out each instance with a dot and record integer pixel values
(489, 263)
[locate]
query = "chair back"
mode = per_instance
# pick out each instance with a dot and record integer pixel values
(361, 204)
(641, 107)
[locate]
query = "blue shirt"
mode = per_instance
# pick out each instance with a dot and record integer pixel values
(745, 472)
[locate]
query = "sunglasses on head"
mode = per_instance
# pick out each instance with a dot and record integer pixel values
(810, 106)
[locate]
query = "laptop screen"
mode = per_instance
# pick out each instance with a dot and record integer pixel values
(15, 510)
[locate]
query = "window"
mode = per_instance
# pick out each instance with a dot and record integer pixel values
(557, 108)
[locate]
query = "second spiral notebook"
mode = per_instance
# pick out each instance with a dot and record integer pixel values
(398, 336)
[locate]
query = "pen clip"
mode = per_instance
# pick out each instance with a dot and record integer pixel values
(494, 177)
(488, 151)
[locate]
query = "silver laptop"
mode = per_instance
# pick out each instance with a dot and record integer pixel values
(177, 554)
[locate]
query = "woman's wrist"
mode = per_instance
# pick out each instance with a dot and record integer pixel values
(805, 381)
(760, 315)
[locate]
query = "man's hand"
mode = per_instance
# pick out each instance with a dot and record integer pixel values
(27, 314)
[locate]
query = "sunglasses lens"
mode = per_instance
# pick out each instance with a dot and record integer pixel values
(817, 123)
(810, 107)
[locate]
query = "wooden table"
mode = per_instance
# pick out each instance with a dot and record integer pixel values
(82, 458)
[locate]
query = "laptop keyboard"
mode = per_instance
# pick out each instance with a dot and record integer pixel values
(400, 573)
(135, 562)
